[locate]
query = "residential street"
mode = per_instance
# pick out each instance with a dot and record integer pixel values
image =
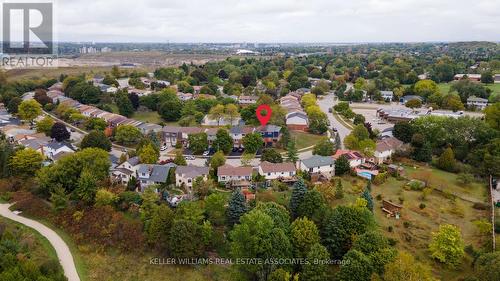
(62, 250)
(327, 102)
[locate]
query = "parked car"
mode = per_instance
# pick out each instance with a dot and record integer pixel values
(206, 153)
(240, 149)
(166, 161)
(189, 157)
(330, 110)
(334, 129)
(163, 148)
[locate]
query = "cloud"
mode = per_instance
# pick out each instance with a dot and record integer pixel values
(278, 20)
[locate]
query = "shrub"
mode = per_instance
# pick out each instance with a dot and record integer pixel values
(421, 206)
(380, 178)
(392, 241)
(379, 197)
(406, 224)
(390, 228)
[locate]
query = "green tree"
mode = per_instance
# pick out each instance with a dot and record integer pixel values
(45, 125)
(357, 267)
(95, 124)
(148, 205)
(198, 142)
(217, 160)
(447, 245)
(59, 198)
(148, 154)
(317, 268)
(87, 186)
(179, 158)
(29, 110)
(298, 193)
(278, 213)
(59, 132)
(447, 160)
(492, 115)
(292, 152)
(215, 209)
(313, 206)
(487, 266)
(158, 229)
(170, 110)
(252, 142)
(271, 155)
(104, 197)
(127, 134)
(323, 148)
(184, 239)
(304, 234)
(487, 77)
(124, 104)
(217, 113)
(25, 162)
(403, 131)
(369, 199)
(342, 165)
(223, 141)
(237, 207)
(96, 139)
(343, 224)
(414, 103)
(405, 267)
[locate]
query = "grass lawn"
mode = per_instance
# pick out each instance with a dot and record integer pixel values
(303, 140)
(147, 116)
(445, 87)
(346, 123)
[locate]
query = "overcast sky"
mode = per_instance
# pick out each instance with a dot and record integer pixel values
(277, 20)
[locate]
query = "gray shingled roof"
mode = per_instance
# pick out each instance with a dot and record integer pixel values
(158, 173)
(318, 161)
(191, 171)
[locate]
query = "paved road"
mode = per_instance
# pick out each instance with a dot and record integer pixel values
(62, 250)
(326, 103)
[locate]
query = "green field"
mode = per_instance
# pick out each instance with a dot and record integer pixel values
(147, 116)
(445, 87)
(303, 140)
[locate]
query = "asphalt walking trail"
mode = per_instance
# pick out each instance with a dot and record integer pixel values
(62, 249)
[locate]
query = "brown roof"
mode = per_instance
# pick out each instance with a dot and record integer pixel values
(268, 167)
(228, 170)
(388, 144)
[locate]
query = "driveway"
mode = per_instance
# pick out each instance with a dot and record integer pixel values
(327, 102)
(62, 250)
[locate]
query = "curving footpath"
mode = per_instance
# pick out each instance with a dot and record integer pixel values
(62, 250)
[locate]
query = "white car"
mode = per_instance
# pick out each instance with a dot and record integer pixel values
(189, 157)
(163, 148)
(206, 153)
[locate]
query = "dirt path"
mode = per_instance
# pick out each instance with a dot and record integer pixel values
(62, 250)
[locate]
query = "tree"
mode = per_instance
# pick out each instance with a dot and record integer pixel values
(298, 193)
(487, 77)
(231, 111)
(303, 235)
(369, 199)
(487, 266)
(413, 103)
(29, 110)
(170, 110)
(179, 158)
(453, 102)
(96, 139)
(236, 208)
(426, 88)
(202, 187)
(313, 206)
(25, 162)
(257, 237)
(339, 190)
(124, 104)
(148, 154)
(198, 142)
(317, 268)
(215, 209)
(423, 153)
(403, 131)
(127, 134)
(492, 115)
(278, 213)
(359, 119)
(217, 113)
(184, 239)
(158, 229)
(405, 267)
(447, 160)
(217, 160)
(95, 124)
(447, 245)
(323, 148)
(45, 125)
(59, 132)
(341, 226)
(13, 105)
(252, 142)
(104, 197)
(223, 141)
(356, 268)
(292, 152)
(246, 159)
(342, 165)
(87, 186)
(271, 155)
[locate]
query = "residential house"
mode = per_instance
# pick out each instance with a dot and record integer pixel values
(297, 121)
(211, 134)
(235, 176)
(271, 134)
(149, 174)
(496, 78)
(184, 96)
(247, 100)
(387, 95)
(407, 98)
(478, 103)
(172, 135)
(56, 149)
(147, 128)
(38, 143)
(185, 175)
(126, 170)
(223, 121)
(471, 77)
(274, 171)
(123, 83)
(319, 165)
(238, 132)
(385, 148)
(354, 157)
(140, 92)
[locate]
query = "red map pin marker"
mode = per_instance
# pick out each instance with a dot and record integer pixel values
(263, 119)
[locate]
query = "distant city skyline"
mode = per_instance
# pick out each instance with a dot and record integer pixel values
(277, 21)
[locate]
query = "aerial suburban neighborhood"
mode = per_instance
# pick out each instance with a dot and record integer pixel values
(139, 157)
